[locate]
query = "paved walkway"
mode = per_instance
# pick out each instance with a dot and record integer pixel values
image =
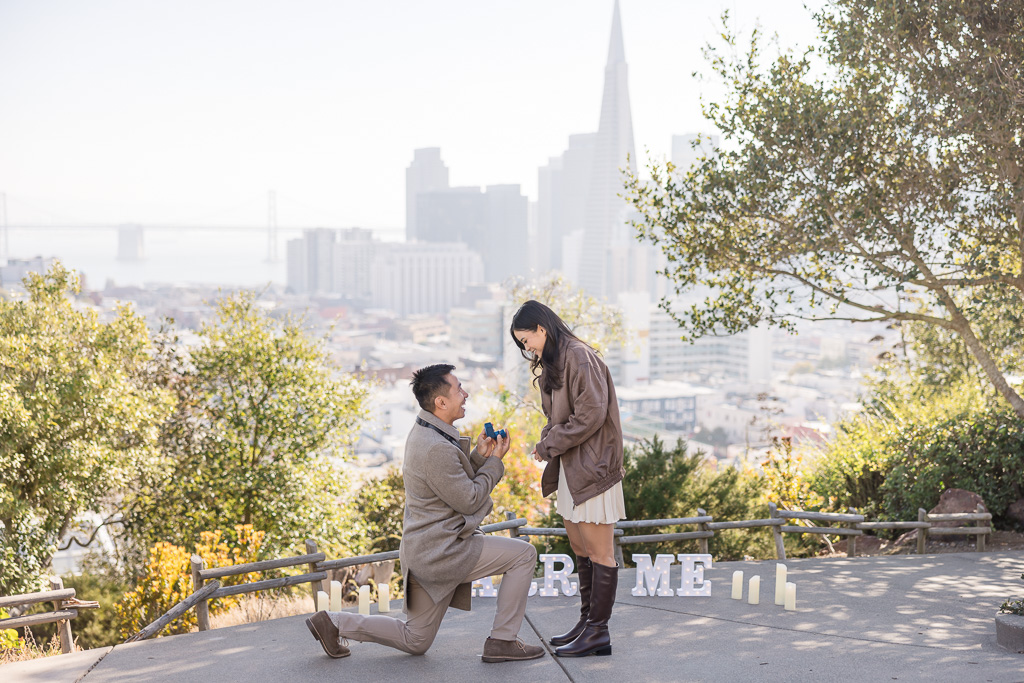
(906, 618)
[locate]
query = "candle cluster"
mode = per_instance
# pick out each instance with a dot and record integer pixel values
(785, 591)
(332, 601)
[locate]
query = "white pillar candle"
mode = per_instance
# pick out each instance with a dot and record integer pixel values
(335, 596)
(780, 584)
(364, 599)
(791, 596)
(322, 601)
(737, 585)
(754, 590)
(383, 597)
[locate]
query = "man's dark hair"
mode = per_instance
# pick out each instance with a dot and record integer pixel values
(430, 382)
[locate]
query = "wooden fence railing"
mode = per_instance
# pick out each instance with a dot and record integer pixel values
(207, 584)
(854, 525)
(65, 608)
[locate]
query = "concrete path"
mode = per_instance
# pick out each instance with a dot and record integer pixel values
(906, 618)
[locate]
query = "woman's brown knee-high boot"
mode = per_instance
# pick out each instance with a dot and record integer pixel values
(595, 639)
(585, 568)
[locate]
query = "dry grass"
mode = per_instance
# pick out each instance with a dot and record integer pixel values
(258, 607)
(31, 649)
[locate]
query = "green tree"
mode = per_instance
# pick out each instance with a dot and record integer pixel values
(594, 321)
(379, 506)
(77, 418)
(261, 413)
(884, 182)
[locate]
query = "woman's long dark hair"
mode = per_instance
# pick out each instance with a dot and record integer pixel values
(546, 367)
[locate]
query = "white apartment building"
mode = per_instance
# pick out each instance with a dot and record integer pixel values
(418, 277)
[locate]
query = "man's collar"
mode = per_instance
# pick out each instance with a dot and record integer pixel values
(428, 416)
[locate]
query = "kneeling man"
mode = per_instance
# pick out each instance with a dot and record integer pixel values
(447, 494)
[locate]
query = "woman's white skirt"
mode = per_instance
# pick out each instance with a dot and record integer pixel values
(605, 508)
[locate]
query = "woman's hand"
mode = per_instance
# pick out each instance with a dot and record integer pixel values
(536, 456)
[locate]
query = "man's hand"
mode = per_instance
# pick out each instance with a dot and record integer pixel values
(484, 444)
(494, 447)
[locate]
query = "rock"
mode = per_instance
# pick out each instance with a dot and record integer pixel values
(957, 500)
(909, 538)
(866, 545)
(1016, 512)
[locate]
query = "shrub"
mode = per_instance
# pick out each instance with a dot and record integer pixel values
(168, 579)
(662, 484)
(916, 442)
(9, 639)
(379, 507)
(1013, 606)
(982, 452)
(665, 483)
(92, 628)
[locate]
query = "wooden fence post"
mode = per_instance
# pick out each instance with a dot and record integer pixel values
(702, 543)
(922, 533)
(514, 531)
(780, 548)
(315, 586)
(979, 539)
(202, 607)
(851, 541)
(67, 643)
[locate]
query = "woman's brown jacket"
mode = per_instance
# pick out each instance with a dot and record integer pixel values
(583, 436)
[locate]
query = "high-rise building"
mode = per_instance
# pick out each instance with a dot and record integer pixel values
(15, 270)
(415, 278)
(354, 252)
(493, 223)
(426, 173)
(607, 212)
(457, 214)
(562, 197)
(505, 245)
(310, 262)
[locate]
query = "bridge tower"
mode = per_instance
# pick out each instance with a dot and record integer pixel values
(272, 227)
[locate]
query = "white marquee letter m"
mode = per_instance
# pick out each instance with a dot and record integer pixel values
(655, 577)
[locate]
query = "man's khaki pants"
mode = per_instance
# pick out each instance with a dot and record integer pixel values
(515, 559)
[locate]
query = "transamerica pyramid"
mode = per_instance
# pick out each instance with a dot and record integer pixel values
(613, 151)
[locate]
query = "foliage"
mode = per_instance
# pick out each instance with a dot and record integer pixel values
(881, 182)
(261, 413)
(664, 483)
(915, 441)
(785, 478)
(1013, 606)
(519, 489)
(598, 323)
(92, 628)
(9, 639)
(166, 582)
(77, 418)
(379, 507)
(168, 578)
(981, 450)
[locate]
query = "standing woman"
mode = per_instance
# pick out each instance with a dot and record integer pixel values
(582, 446)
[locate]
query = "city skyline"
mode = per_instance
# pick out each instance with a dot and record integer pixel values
(127, 114)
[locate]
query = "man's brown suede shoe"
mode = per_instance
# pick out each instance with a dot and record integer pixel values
(324, 630)
(509, 650)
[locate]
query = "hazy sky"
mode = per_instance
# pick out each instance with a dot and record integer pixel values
(187, 112)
